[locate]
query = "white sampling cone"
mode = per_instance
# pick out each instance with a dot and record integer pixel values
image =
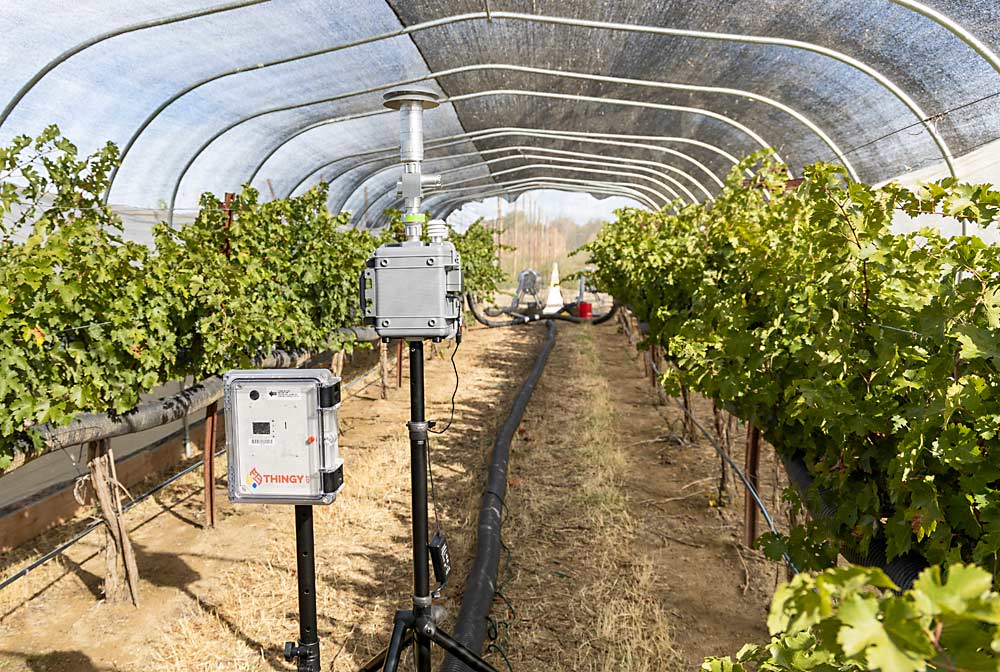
(554, 301)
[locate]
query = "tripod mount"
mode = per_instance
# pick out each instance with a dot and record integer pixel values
(421, 623)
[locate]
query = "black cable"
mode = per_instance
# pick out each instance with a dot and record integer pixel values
(503, 654)
(454, 392)
(434, 500)
(451, 418)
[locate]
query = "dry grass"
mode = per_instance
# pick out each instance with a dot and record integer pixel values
(629, 630)
(363, 578)
(586, 601)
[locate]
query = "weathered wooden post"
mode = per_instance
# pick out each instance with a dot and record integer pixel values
(383, 366)
(751, 468)
(121, 577)
(208, 457)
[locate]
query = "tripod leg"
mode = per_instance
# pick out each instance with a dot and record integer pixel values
(457, 649)
(400, 627)
(376, 662)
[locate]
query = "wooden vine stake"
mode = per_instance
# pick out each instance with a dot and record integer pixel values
(723, 427)
(383, 367)
(211, 413)
(399, 363)
(208, 457)
(121, 577)
(751, 471)
(337, 369)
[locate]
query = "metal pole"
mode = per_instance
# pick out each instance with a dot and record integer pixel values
(418, 485)
(208, 457)
(307, 651)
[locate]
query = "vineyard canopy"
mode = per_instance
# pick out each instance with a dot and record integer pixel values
(650, 100)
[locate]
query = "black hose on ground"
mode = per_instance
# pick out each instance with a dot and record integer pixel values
(480, 586)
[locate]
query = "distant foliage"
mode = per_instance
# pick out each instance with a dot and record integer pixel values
(88, 321)
(476, 246)
(478, 249)
(873, 356)
(848, 619)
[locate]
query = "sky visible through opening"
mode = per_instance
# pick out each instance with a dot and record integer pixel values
(549, 203)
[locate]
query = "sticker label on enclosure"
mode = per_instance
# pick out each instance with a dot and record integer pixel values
(285, 394)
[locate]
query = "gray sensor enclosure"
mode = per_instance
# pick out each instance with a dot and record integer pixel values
(413, 290)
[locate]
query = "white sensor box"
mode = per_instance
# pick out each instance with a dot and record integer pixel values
(281, 436)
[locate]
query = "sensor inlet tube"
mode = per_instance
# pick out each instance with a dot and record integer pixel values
(411, 103)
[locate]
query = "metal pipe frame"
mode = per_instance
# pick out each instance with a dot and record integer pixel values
(524, 187)
(596, 171)
(956, 29)
(107, 35)
(582, 186)
(760, 141)
(469, 96)
(606, 160)
(725, 37)
(573, 184)
(636, 192)
(573, 135)
(795, 114)
(570, 136)
(953, 26)
(648, 192)
(497, 92)
(577, 136)
(575, 158)
(442, 208)
(559, 159)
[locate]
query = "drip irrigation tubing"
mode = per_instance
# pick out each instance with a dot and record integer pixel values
(88, 427)
(135, 502)
(725, 456)
(481, 584)
(902, 570)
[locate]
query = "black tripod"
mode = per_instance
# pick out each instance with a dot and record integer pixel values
(419, 623)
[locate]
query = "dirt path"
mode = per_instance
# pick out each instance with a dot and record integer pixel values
(617, 560)
(224, 599)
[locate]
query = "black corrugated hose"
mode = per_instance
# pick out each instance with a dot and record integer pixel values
(481, 584)
(903, 570)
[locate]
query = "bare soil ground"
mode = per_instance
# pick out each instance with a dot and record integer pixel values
(619, 562)
(602, 489)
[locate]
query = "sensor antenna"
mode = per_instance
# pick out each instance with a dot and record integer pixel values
(411, 103)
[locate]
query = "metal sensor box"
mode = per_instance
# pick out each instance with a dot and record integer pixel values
(281, 436)
(413, 290)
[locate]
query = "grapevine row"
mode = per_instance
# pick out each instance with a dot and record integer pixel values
(872, 355)
(89, 321)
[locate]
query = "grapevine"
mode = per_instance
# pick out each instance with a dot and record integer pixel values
(871, 355)
(90, 321)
